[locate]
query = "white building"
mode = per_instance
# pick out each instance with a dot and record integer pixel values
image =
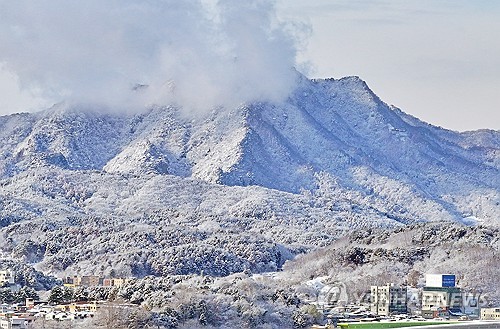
(441, 296)
(11, 321)
(388, 299)
(440, 280)
(490, 314)
(6, 277)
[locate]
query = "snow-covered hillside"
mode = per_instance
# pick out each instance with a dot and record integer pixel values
(262, 179)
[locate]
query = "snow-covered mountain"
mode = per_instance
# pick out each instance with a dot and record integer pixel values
(333, 157)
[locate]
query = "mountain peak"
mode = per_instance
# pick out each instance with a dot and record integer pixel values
(328, 129)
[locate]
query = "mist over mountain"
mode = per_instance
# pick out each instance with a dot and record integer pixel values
(194, 53)
(239, 188)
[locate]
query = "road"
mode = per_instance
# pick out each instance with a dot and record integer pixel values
(458, 325)
(465, 325)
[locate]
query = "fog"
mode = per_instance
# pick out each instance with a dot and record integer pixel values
(131, 54)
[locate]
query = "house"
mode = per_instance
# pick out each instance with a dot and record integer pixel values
(91, 281)
(6, 277)
(30, 303)
(490, 314)
(18, 321)
(115, 282)
(73, 281)
(77, 307)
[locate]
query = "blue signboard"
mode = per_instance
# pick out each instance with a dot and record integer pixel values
(448, 281)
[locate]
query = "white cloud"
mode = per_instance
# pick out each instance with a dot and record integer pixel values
(14, 98)
(195, 53)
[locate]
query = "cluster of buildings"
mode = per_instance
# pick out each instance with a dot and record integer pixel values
(93, 281)
(440, 297)
(23, 316)
(20, 316)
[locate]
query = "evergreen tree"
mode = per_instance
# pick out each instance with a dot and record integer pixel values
(56, 295)
(68, 294)
(6, 296)
(25, 292)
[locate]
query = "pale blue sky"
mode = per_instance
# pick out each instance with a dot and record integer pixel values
(438, 60)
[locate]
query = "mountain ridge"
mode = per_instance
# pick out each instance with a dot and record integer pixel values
(333, 126)
(292, 176)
